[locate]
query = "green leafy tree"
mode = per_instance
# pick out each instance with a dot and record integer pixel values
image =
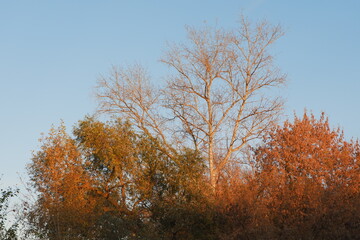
(142, 183)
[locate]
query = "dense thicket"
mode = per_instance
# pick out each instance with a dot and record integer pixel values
(111, 183)
(108, 182)
(305, 185)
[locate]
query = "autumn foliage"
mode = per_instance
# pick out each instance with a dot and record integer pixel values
(109, 182)
(305, 185)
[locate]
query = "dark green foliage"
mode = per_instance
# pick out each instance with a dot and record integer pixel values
(6, 233)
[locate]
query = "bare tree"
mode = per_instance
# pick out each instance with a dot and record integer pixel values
(129, 93)
(216, 96)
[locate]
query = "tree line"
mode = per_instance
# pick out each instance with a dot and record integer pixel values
(202, 156)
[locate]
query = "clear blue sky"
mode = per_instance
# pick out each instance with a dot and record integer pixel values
(52, 52)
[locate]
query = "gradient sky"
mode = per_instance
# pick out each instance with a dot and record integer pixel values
(52, 52)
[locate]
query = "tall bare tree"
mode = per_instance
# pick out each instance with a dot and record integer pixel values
(217, 96)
